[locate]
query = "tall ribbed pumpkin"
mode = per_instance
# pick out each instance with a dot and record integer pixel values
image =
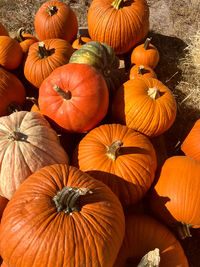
(27, 143)
(61, 216)
(119, 23)
(120, 157)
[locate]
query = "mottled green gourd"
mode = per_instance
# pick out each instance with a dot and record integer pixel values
(102, 57)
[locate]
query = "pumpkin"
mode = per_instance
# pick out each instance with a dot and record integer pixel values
(4, 264)
(55, 19)
(102, 57)
(175, 198)
(80, 41)
(12, 92)
(145, 54)
(10, 53)
(141, 71)
(3, 203)
(142, 234)
(118, 23)
(64, 212)
(146, 105)
(74, 97)
(25, 39)
(27, 143)
(120, 157)
(3, 30)
(191, 144)
(44, 57)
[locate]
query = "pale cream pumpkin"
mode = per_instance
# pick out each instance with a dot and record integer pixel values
(27, 143)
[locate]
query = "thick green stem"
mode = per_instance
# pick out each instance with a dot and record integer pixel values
(153, 92)
(184, 230)
(52, 10)
(43, 52)
(146, 43)
(67, 199)
(113, 150)
(65, 94)
(117, 4)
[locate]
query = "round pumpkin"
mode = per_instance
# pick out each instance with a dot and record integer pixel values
(141, 71)
(175, 198)
(80, 41)
(12, 92)
(118, 23)
(56, 19)
(44, 57)
(102, 57)
(145, 54)
(146, 105)
(120, 157)
(27, 143)
(143, 234)
(74, 97)
(191, 144)
(10, 53)
(60, 210)
(25, 39)
(3, 30)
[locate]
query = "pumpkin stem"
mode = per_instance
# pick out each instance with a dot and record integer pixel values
(113, 150)
(184, 230)
(52, 10)
(117, 4)
(13, 107)
(80, 40)
(65, 94)
(20, 37)
(43, 52)
(153, 92)
(141, 69)
(67, 199)
(17, 136)
(146, 43)
(151, 259)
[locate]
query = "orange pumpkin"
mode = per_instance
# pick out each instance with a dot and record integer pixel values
(118, 23)
(3, 30)
(27, 143)
(143, 234)
(10, 53)
(146, 105)
(175, 198)
(3, 203)
(122, 158)
(44, 57)
(12, 92)
(56, 19)
(59, 210)
(141, 71)
(79, 42)
(25, 40)
(145, 54)
(191, 144)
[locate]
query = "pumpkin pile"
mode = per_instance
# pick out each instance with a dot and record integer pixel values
(83, 179)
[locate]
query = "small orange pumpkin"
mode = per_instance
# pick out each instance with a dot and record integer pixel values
(25, 39)
(142, 71)
(145, 54)
(79, 42)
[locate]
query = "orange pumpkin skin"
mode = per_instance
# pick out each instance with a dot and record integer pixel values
(146, 105)
(191, 144)
(25, 40)
(142, 71)
(11, 91)
(56, 19)
(10, 53)
(175, 198)
(27, 143)
(143, 234)
(129, 172)
(35, 108)
(3, 30)
(3, 203)
(118, 24)
(44, 57)
(145, 54)
(79, 42)
(89, 237)
(75, 97)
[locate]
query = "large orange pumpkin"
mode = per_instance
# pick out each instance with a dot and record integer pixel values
(27, 143)
(143, 234)
(118, 23)
(56, 19)
(122, 158)
(61, 216)
(12, 92)
(175, 198)
(75, 97)
(44, 57)
(146, 105)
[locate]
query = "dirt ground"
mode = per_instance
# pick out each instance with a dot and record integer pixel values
(173, 27)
